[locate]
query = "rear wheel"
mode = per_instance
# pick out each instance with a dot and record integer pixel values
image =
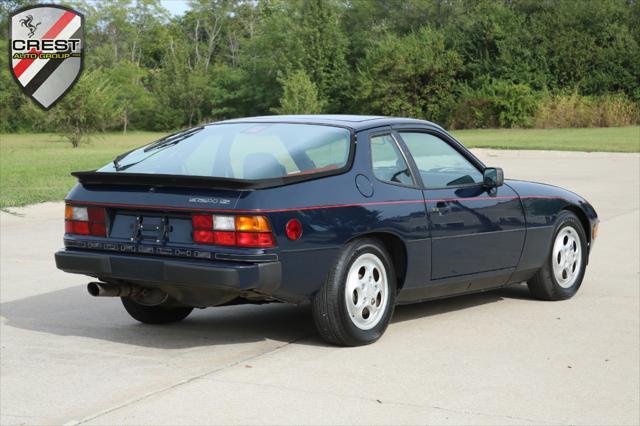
(157, 314)
(562, 274)
(356, 302)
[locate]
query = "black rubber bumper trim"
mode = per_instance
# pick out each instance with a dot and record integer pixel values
(263, 277)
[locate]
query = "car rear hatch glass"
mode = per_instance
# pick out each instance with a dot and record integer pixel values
(233, 156)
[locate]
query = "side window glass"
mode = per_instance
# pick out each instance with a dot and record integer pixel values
(388, 162)
(440, 165)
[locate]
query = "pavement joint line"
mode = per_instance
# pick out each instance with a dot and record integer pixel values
(388, 402)
(180, 383)
(610, 218)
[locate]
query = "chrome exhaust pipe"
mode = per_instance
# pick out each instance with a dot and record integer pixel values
(97, 289)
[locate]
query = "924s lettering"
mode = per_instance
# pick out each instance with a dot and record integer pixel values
(354, 214)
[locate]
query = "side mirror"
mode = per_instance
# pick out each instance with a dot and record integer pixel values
(493, 177)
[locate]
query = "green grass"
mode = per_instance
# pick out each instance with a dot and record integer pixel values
(35, 167)
(611, 139)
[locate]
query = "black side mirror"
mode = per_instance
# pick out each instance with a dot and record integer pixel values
(493, 177)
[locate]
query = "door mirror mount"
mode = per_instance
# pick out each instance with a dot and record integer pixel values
(493, 177)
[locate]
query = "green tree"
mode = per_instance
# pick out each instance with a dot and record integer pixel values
(410, 76)
(132, 98)
(271, 50)
(325, 47)
(300, 95)
(89, 108)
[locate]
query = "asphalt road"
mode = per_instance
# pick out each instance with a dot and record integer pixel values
(493, 358)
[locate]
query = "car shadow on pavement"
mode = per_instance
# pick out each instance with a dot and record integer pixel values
(456, 303)
(71, 312)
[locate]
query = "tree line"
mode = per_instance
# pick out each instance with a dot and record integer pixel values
(461, 63)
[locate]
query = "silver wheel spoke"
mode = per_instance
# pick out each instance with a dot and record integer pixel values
(366, 291)
(567, 258)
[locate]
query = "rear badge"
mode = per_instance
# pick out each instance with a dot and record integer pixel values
(221, 201)
(46, 51)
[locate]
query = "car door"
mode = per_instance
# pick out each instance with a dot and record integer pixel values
(474, 229)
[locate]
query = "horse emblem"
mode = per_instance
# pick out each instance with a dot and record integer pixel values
(27, 21)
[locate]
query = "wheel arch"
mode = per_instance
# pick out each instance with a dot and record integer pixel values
(397, 250)
(582, 217)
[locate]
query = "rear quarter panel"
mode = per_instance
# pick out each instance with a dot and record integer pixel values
(333, 211)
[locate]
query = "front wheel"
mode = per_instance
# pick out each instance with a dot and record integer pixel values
(356, 302)
(563, 271)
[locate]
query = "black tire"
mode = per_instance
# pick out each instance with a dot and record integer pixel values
(158, 314)
(330, 312)
(544, 284)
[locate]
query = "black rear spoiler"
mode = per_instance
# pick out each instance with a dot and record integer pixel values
(183, 181)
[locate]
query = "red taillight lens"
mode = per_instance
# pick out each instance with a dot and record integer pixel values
(239, 231)
(255, 239)
(203, 237)
(76, 227)
(293, 229)
(202, 221)
(85, 221)
(96, 214)
(224, 238)
(98, 229)
(220, 238)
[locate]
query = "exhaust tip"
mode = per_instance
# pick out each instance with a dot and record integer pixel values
(93, 289)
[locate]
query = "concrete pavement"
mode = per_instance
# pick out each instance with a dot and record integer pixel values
(493, 358)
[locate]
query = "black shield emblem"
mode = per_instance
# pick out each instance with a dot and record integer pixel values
(46, 51)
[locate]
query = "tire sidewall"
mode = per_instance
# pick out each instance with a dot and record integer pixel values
(158, 314)
(569, 219)
(355, 251)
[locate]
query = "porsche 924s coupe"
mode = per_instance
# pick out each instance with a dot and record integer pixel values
(354, 214)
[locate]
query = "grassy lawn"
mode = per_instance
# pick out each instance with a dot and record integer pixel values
(612, 139)
(36, 167)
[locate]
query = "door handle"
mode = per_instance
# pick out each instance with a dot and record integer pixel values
(441, 208)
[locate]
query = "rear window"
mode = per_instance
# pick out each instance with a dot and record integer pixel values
(250, 151)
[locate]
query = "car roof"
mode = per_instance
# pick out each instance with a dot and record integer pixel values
(355, 122)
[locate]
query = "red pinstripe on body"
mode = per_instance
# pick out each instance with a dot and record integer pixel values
(291, 209)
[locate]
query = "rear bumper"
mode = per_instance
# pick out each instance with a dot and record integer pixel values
(261, 277)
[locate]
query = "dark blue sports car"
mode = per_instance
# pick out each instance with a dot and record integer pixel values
(354, 214)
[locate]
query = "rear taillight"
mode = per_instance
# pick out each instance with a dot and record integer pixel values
(85, 221)
(238, 231)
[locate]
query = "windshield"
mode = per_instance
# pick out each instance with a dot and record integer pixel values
(242, 151)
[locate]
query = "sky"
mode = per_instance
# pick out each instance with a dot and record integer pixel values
(175, 7)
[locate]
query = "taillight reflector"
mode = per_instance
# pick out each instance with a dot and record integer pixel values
(76, 227)
(252, 224)
(293, 229)
(203, 237)
(219, 238)
(85, 221)
(202, 221)
(96, 215)
(98, 229)
(255, 239)
(240, 231)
